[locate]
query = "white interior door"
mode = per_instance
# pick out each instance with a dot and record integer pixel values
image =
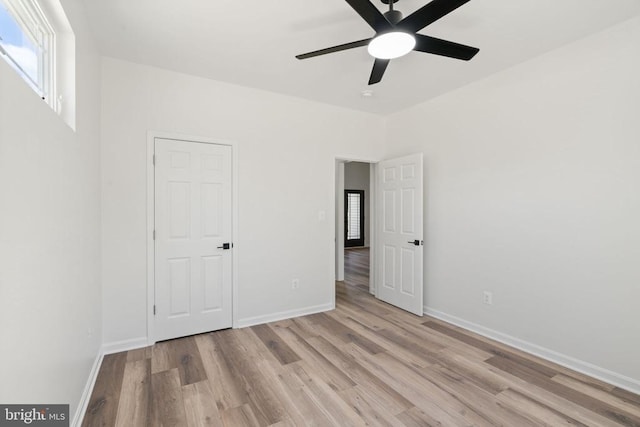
(399, 247)
(193, 207)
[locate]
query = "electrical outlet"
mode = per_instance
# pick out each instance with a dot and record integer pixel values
(295, 283)
(487, 297)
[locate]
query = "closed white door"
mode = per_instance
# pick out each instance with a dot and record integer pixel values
(399, 245)
(193, 242)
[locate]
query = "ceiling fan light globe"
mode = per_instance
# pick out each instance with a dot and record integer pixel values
(391, 45)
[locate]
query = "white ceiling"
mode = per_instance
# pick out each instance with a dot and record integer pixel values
(253, 43)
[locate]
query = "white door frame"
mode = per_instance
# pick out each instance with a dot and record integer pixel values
(151, 137)
(338, 209)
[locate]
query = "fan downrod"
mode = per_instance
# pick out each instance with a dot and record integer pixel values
(392, 15)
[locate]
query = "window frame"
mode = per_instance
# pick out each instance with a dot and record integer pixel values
(32, 20)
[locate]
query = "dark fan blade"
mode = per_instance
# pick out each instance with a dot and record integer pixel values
(338, 48)
(429, 13)
(444, 48)
(379, 67)
(371, 14)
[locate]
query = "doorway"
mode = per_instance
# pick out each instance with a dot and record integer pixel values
(355, 221)
(396, 228)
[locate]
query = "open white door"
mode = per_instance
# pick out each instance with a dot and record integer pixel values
(399, 247)
(193, 211)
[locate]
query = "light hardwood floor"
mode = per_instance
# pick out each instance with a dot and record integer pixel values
(365, 363)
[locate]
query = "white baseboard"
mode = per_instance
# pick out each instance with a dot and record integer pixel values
(578, 365)
(274, 317)
(88, 389)
(126, 345)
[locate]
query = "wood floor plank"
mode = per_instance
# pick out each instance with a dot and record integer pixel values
(161, 359)
(266, 406)
(186, 358)
(136, 386)
(388, 398)
(139, 354)
(102, 409)
(275, 344)
(227, 391)
(627, 396)
(346, 334)
(367, 319)
(473, 371)
(325, 398)
(199, 410)
(417, 332)
(483, 403)
(302, 329)
(167, 404)
(241, 416)
(536, 411)
(534, 377)
(304, 410)
(599, 394)
(333, 376)
(554, 401)
(424, 354)
(367, 410)
(416, 417)
(490, 347)
(277, 382)
(422, 394)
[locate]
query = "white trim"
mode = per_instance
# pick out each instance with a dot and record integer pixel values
(88, 389)
(578, 365)
(339, 218)
(151, 278)
(235, 228)
(357, 159)
(274, 317)
(373, 237)
(151, 136)
(124, 345)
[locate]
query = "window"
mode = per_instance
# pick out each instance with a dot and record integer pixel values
(37, 41)
(27, 43)
(354, 218)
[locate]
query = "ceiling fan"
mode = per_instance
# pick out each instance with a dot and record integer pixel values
(396, 36)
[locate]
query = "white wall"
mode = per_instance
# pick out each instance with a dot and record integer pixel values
(287, 149)
(532, 192)
(356, 177)
(49, 235)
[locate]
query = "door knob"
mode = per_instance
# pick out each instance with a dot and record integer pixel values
(225, 246)
(415, 242)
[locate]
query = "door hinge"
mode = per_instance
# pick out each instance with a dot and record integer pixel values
(154, 309)
(154, 234)
(154, 160)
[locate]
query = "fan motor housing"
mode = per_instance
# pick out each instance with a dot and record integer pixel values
(393, 16)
